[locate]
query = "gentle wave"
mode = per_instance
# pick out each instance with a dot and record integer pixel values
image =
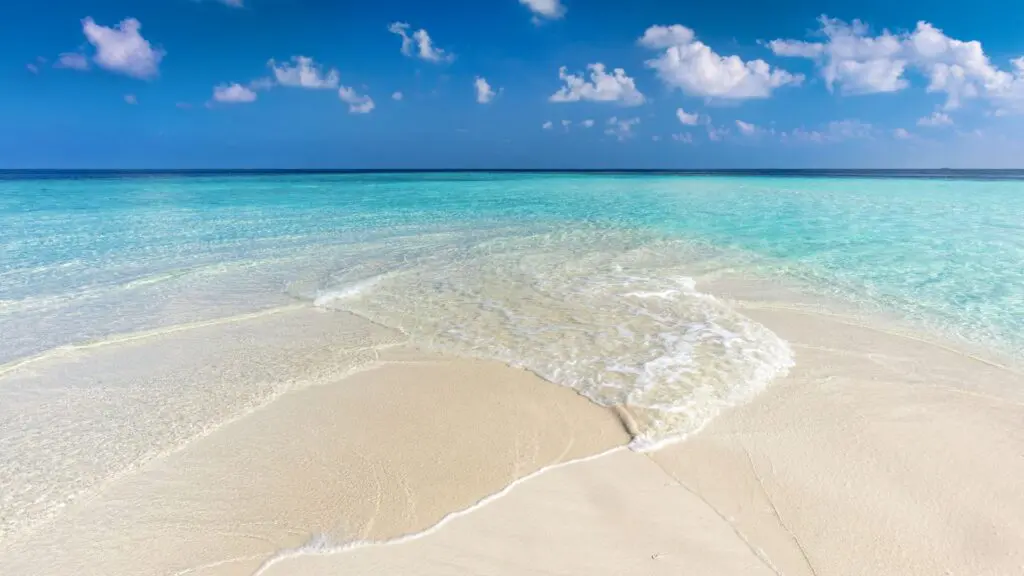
(611, 315)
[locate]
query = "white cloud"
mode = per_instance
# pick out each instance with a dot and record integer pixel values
(687, 119)
(72, 60)
(655, 138)
(746, 128)
(233, 3)
(123, 49)
(717, 134)
(233, 94)
(696, 69)
(684, 137)
(304, 73)
(851, 60)
(661, 37)
(936, 119)
(587, 123)
(550, 9)
(602, 87)
(357, 104)
(835, 131)
(801, 135)
(621, 128)
(547, 125)
(859, 63)
(484, 92)
(849, 130)
(901, 134)
(420, 39)
(131, 99)
(397, 96)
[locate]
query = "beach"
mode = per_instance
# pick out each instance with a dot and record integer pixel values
(865, 459)
(450, 401)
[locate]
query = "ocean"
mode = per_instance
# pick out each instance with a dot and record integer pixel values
(591, 281)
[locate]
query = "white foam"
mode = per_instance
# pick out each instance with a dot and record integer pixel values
(325, 298)
(612, 316)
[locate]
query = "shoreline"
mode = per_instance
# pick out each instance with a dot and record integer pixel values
(778, 499)
(749, 521)
(388, 450)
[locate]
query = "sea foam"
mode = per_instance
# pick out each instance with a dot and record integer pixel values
(607, 313)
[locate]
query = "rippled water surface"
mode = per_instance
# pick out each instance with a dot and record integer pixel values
(85, 258)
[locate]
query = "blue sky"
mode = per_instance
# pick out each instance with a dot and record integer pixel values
(314, 83)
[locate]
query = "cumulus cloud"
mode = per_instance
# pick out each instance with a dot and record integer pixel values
(131, 99)
(901, 134)
(303, 72)
(587, 123)
(233, 94)
(419, 44)
(936, 119)
(549, 9)
(856, 62)
(687, 119)
(357, 104)
(397, 96)
(621, 129)
(684, 137)
(693, 67)
(484, 92)
(851, 60)
(746, 128)
(602, 87)
(547, 125)
(123, 49)
(72, 61)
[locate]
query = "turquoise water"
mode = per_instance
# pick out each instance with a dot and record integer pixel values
(593, 282)
(81, 259)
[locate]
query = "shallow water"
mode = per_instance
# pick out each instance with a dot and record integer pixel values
(590, 281)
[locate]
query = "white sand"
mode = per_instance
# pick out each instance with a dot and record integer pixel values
(881, 454)
(386, 451)
(618, 514)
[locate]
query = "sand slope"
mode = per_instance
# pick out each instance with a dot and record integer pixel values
(880, 454)
(384, 452)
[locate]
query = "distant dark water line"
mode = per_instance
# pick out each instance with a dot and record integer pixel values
(933, 174)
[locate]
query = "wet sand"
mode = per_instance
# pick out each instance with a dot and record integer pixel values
(882, 452)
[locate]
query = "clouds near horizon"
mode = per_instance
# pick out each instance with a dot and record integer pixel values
(696, 81)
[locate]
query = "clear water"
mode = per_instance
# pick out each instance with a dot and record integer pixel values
(85, 258)
(587, 280)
